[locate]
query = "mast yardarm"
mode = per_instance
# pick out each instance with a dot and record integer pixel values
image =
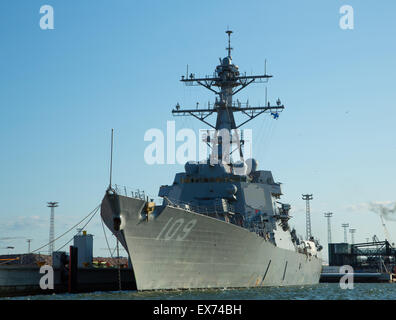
(225, 83)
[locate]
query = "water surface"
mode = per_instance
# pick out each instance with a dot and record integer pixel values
(322, 291)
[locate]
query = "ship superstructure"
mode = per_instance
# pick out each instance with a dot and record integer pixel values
(221, 222)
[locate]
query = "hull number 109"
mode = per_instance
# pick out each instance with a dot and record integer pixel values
(176, 229)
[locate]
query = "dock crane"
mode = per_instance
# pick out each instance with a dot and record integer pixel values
(381, 211)
(387, 236)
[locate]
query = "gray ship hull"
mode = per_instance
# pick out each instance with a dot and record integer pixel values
(181, 249)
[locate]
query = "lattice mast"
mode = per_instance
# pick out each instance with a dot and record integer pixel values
(328, 215)
(225, 83)
(52, 205)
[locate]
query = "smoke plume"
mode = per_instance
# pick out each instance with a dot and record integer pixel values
(388, 212)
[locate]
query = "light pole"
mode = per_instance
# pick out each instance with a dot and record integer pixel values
(52, 205)
(28, 241)
(345, 226)
(307, 198)
(352, 231)
(328, 216)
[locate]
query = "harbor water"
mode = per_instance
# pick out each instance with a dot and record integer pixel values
(322, 291)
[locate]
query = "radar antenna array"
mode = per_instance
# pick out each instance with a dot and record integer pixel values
(226, 82)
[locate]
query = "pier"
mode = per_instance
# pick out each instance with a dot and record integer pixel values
(19, 280)
(73, 272)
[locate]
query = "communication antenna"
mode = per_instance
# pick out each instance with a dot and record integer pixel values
(229, 43)
(265, 66)
(266, 95)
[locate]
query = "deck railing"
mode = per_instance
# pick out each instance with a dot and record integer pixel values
(128, 192)
(216, 209)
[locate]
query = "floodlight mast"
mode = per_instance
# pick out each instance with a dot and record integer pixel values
(352, 231)
(52, 205)
(226, 82)
(307, 198)
(328, 215)
(345, 226)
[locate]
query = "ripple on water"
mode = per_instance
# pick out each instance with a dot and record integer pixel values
(322, 291)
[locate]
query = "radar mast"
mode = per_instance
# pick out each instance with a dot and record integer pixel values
(225, 83)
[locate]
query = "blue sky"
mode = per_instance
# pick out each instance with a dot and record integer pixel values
(117, 64)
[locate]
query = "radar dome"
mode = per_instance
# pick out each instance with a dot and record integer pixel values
(226, 61)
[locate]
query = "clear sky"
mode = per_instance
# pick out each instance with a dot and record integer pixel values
(117, 64)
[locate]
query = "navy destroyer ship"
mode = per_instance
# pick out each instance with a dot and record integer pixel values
(221, 223)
